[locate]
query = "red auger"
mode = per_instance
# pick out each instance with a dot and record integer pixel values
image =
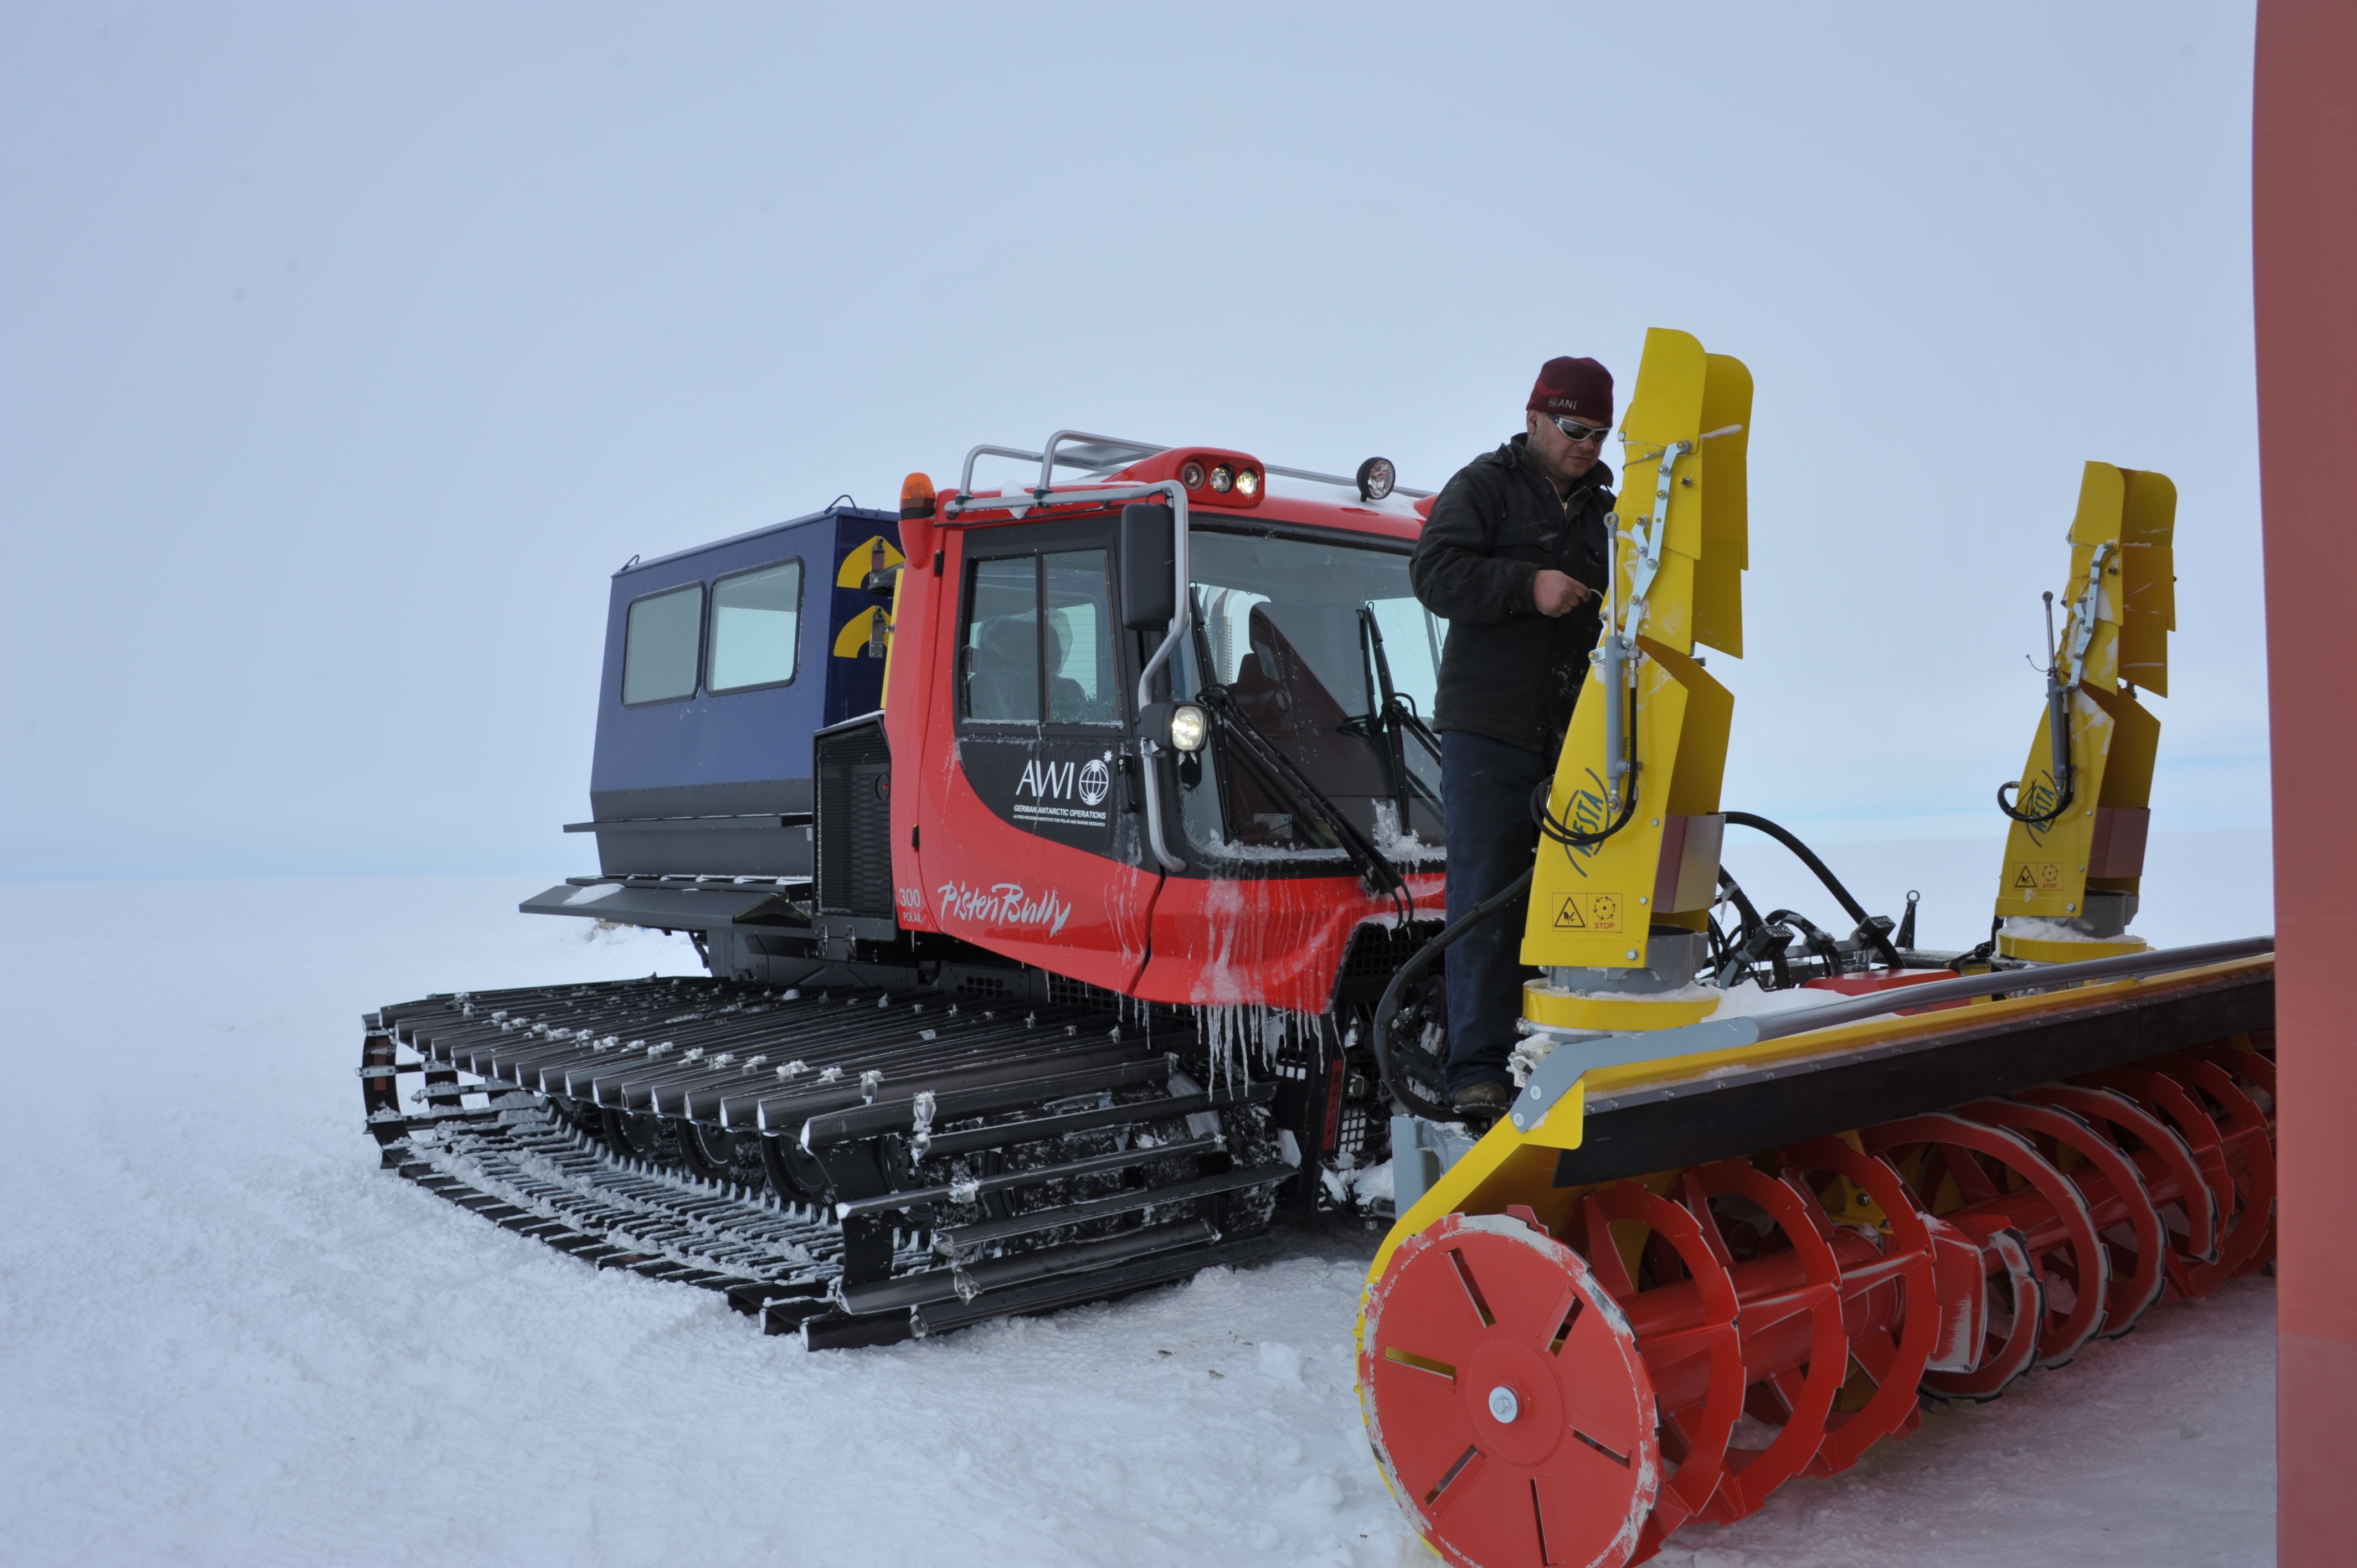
(1688, 1343)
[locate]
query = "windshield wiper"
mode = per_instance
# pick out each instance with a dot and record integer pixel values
(1279, 772)
(1398, 721)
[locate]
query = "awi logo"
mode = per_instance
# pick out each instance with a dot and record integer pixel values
(1064, 794)
(1050, 780)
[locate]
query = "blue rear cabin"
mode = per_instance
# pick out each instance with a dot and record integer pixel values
(721, 663)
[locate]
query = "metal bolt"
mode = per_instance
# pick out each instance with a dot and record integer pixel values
(2070, 908)
(1503, 1404)
(1632, 955)
(1642, 898)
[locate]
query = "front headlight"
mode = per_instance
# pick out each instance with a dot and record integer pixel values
(1189, 727)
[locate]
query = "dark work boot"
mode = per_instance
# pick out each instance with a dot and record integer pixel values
(1482, 1102)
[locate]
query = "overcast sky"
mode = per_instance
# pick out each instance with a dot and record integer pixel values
(347, 349)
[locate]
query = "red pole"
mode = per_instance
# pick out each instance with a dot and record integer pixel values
(2304, 245)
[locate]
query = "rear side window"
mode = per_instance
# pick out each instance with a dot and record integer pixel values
(661, 649)
(757, 622)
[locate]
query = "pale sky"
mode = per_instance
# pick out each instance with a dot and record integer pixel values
(347, 349)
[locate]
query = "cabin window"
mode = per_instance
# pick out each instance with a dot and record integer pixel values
(1080, 638)
(1040, 640)
(757, 622)
(1002, 641)
(660, 652)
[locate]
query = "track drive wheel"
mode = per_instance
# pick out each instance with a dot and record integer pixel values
(794, 1170)
(637, 1135)
(716, 1154)
(1510, 1411)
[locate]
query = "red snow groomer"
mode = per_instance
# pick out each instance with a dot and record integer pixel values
(1050, 847)
(1068, 861)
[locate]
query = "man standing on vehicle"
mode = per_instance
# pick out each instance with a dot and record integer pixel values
(1513, 557)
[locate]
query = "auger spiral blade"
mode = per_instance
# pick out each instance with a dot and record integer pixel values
(1516, 1417)
(1773, 1318)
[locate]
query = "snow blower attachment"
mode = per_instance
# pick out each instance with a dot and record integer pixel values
(1751, 1205)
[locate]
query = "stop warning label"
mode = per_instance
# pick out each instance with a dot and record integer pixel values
(2034, 876)
(1589, 912)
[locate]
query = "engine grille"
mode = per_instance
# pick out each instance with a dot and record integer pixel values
(855, 822)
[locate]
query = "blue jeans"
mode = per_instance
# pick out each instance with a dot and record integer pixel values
(1486, 788)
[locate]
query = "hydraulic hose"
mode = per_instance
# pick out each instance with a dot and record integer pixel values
(2058, 730)
(1385, 1010)
(1564, 832)
(1568, 835)
(1808, 857)
(2036, 819)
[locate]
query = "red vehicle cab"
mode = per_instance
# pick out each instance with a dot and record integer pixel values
(1223, 796)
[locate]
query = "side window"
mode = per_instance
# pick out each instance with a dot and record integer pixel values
(1001, 654)
(757, 622)
(660, 647)
(1080, 638)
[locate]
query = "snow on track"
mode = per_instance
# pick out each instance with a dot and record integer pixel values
(226, 1336)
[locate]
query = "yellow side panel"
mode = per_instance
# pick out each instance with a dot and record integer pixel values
(1727, 401)
(1719, 605)
(1669, 608)
(1726, 527)
(1665, 409)
(2100, 666)
(1667, 404)
(2103, 491)
(2103, 494)
(2147, 527)
(2045, 871)
(2135, 745)
(1591, 905)
(1702, 749)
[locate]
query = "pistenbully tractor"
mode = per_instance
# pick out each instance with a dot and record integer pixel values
(1068, 861)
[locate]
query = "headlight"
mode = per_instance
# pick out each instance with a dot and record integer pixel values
(1248, 482)
(1376, 478)
(1224, 480)
(1189, 726)
(1191, 474)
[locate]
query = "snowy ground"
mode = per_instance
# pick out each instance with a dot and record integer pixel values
(226, 1336)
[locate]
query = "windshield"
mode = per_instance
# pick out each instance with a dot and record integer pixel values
(1325, 650)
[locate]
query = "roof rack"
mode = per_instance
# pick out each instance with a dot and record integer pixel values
(1104, 453)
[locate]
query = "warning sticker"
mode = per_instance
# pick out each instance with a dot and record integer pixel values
(1589, 912)
(2030, 877)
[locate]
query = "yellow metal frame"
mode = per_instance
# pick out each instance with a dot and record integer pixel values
(1542, 1004)
(2116, 639)
(1510, 1167)
(1591, 906)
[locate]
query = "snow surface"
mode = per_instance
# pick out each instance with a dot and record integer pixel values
(226, 1336)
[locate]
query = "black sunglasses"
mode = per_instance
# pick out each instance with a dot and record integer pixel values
(1579, 432)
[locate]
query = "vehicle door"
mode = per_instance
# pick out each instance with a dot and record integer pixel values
(1042, 855)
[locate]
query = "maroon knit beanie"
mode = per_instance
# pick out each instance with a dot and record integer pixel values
(1580, 388)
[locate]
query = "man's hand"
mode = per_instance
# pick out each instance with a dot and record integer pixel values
(1557, 593)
